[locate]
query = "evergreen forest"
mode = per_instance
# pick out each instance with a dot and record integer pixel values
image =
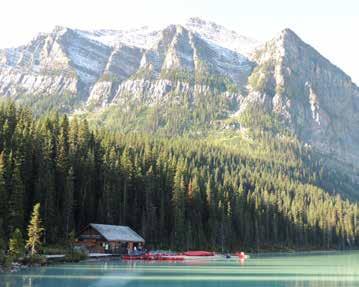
(177, 192)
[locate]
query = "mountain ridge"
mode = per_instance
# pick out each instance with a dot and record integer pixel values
(198, 72)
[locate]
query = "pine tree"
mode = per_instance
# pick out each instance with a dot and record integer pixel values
(2, 240)
(3, 193)
(69, 202)
(212, 213)
(16, 201)
(127, 173)
(178, 201)
(35, 230)
(71, 239)
(47, 186)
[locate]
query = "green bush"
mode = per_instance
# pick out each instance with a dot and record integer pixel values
(16, 244)
(75, 256)
(7, 262)
(54, 249)
(34, 260)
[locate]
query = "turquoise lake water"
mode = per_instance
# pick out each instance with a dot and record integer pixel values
(325, 269)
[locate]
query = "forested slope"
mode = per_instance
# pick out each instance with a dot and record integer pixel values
(179, 193)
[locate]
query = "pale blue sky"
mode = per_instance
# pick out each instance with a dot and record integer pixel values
(331, 26)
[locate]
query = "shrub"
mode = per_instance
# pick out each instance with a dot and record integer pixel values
(34, 260)
(75, 256)
(16, 244)
(7, 261)
(53, 249)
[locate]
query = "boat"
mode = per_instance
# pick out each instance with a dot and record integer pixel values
(198, 253)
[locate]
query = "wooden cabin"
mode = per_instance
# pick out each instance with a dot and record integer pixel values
(114, 239)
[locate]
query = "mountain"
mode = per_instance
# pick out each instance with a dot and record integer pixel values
(316, 99)
(70, 68)
(251, 145)
(185, 78)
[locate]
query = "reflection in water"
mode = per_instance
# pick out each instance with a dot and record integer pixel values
(331, 270)
(104, 282)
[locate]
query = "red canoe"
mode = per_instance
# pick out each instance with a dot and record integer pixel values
(198, 253)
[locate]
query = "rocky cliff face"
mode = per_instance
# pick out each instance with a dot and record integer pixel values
(99, 68)
(211, 71)
(315, 98)
(182, 62)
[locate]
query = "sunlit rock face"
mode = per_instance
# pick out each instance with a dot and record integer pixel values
(97, 68)
(71, 70)
(315, 98)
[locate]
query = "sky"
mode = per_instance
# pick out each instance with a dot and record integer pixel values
(330, 26)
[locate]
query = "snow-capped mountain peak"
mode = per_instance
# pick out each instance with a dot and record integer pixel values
(143, 37)
(146, 37)
(222, 36)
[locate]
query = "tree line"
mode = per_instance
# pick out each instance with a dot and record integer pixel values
(178, 193)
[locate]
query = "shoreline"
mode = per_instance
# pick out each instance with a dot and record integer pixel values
(16, 266)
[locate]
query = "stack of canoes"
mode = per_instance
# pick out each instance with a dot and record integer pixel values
(152, 257)
(180, 256)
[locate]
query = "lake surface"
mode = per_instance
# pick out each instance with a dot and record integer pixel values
(325, 269)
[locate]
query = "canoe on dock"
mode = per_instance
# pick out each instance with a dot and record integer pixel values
(198, 253)
(188, 255)
(156, 257)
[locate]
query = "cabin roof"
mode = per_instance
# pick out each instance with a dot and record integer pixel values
(117, 233)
